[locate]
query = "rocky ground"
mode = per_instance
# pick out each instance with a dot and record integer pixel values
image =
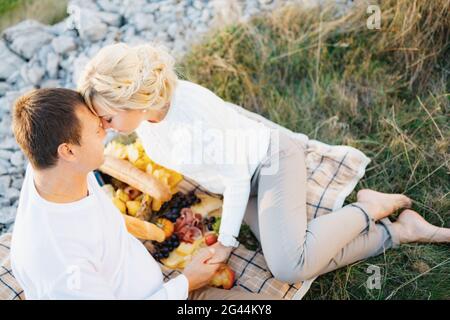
(33, 55)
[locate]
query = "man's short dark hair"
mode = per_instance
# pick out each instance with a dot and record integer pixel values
(42, 120)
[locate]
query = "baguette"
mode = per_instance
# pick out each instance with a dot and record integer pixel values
(143, 230)
(128, 173)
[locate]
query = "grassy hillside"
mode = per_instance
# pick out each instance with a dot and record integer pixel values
(385, 92)
(45, 11)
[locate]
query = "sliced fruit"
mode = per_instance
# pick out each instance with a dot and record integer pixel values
(210, 238)
(224, 277)
(132, 152)
(162, 175)
(149, 169)
(185, 249)
(166, 225)
(122, 195)
(141, 164)
(185, 261)
(174, 178)
(116, 149)
(120, 205)
(133, 207)
(156, 204)
(173, 260)
(207, 204)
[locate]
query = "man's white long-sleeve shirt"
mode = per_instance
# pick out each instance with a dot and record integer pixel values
(82, 250)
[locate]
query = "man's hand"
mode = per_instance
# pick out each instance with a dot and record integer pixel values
(221, 253)
(199, 272)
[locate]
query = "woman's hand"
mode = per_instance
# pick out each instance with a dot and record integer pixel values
(221, 253)
(199, 272)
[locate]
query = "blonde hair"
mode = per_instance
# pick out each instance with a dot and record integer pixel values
(120, 77)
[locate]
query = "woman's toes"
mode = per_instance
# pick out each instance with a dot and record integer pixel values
(414, 228)
(386, 203)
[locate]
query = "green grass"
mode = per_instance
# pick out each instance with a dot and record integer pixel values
(384, 92)
(45, 11)
(7, 5)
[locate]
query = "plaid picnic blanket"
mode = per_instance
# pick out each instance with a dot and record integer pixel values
(333, 172)
(9, 287)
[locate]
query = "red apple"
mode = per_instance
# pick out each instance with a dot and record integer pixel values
(224, 277)
(210, 238)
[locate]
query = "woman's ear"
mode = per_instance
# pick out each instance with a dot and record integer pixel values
(65, 152)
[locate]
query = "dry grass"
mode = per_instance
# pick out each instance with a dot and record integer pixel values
(384, 92)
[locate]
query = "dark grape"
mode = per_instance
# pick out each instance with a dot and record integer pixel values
(165, 250)
(165, 254)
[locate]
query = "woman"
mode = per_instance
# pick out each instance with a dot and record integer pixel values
(186, 127)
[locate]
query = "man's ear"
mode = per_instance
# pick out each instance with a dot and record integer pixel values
(65, 152)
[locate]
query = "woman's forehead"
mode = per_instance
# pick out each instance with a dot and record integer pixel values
(102, 110)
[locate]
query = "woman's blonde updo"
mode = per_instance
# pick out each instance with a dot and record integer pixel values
(120, 77)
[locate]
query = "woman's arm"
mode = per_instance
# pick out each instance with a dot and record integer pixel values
(235, 200)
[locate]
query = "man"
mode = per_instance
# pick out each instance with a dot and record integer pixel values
(69, 240)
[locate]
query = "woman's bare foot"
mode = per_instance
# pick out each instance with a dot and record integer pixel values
(382, 204)
(412, 227)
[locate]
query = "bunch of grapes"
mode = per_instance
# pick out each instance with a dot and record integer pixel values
(163, 249)
(171, 209)
(209, 223)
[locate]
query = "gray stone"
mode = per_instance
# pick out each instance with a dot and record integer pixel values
(173, 30)
(17, 183)
(63, 44)
(12, 194)
(7, 215)
(265, 2)
(10, 229)
(4, 202)
(3, 169)
(108, 5)
(32, 73)
(27, 37)
(51, 83)
(5, 154)
(8, 143)
(143, 21)
(198, 5)
(129, 8)
(78, 67)
(90, 27)
(206, 15)
(5, 183)
(15, 170)
(52, 64)
(17, 159)
(5, 126)
(112, 19)
(10, 62)
(4, 87)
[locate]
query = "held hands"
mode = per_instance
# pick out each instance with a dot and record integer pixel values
(221, 253)
(199, 272)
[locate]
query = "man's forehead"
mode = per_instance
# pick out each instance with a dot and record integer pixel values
(85, 115)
